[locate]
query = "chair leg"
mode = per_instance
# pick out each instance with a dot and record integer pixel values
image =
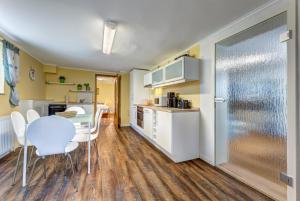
(33, 167)
(16, 167)
(76, 155)
(73, 172)
(45, 169)
(30, 157)
(54, 163)
(71, 161)
(96, 147)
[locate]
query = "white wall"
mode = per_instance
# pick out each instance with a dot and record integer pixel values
(207, 80)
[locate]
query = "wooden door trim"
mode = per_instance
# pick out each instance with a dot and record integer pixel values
(116, 95)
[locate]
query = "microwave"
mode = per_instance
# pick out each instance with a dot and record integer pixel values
(160, 101)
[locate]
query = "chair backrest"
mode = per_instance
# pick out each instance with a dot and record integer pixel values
(32, 115)
(99, 122)
(96, 121)
(19, 124)
(51, 134)
(79, 110)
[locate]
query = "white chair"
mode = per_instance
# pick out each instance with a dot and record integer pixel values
(51, 135)
(79, 110)
(82, 134)
(32, 115)
(84, 129)
(19, 125)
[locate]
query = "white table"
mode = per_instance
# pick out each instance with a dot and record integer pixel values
(79, 118)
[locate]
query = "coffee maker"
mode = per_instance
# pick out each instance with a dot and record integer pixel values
(172, 99)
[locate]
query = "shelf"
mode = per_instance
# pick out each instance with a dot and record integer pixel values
(76, 91)
(58, 83)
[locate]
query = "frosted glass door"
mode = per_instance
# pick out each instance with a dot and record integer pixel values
(174, 71)
(251, 104)
(157, 77)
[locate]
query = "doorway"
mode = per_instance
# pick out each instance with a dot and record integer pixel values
(251, 106)
(107, 96)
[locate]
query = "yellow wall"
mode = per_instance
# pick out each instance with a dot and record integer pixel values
(58, 92)
(39, 90)
(49, 68)
(27, 89)
(106, 94)
(124, 99)
(189, 90)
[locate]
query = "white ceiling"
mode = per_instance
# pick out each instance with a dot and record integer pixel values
(69, 32)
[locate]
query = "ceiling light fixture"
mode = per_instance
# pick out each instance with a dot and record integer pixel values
(109, 33)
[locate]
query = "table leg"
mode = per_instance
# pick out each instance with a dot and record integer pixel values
(89, 150)
(25, 158)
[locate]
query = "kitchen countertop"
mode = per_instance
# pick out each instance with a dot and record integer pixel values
(168, 109)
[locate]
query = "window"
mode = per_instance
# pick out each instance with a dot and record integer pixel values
(1, 70)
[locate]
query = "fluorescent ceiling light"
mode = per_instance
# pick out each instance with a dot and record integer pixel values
(109, 33)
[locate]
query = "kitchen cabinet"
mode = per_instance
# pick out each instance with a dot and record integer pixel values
(163, 130)
(176, 134)
(148, 122)
(133, 116)
(158, 77)
(148, 80)
(181, 70)
(174, 71)
(137, 91)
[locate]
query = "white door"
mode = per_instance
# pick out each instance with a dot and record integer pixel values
(164, 131)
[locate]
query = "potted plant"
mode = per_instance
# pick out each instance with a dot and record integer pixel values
(62, 79)
(87, 86)
(79, 87)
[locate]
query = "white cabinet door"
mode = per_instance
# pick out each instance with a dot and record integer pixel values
(137, 91)
(163, 130)
(148, 79)
(133, 118)
(148, 122)
(157, 77)
(174, 71)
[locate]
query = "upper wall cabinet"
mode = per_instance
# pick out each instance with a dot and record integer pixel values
(174, 71)
(148, 80)
(181, 70)
(158, 77)
(138, 94)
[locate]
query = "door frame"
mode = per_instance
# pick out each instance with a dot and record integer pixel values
(293, 140)
(116, 95)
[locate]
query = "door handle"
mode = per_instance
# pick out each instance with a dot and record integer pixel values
(220, 100)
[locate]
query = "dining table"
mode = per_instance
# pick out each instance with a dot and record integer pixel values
(82, 119)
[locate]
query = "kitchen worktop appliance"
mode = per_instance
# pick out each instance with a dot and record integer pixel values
(53, 108)
(160, 101)
(140, 116)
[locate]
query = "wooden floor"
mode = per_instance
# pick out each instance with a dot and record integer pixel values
(129, 169)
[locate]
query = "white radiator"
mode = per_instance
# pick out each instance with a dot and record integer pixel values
(6, 136)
